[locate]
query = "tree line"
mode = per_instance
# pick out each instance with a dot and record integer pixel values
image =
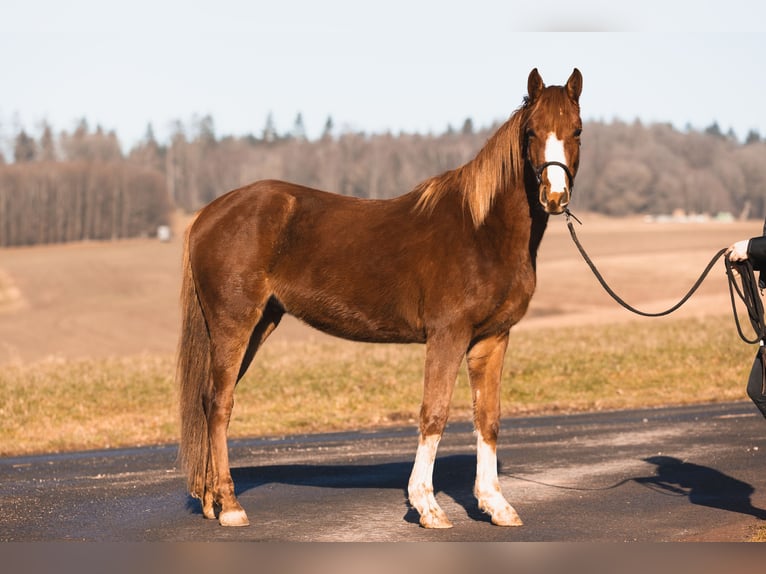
(629, 168)
(77, 187)
(82, 185)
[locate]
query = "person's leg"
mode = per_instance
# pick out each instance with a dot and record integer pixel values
(756, 384)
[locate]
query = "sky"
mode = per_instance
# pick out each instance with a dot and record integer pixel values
(398, 65)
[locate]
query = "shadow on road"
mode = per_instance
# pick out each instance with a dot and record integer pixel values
(701, 485)
(453, 475)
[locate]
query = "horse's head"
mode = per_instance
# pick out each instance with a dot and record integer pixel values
(552, 134)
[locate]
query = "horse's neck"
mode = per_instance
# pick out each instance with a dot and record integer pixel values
(520, 215)
(537, 229)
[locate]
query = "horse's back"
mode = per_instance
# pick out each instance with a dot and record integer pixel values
(344, 265)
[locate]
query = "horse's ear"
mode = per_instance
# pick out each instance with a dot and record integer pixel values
(535, 85)
(574, 85)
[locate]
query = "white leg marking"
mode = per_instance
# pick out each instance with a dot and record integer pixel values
(554, 151)
(487, 487)
(421, 487)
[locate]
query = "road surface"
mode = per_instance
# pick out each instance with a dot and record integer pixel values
(687, 473)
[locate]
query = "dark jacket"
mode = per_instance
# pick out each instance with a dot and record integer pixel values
(756, 253)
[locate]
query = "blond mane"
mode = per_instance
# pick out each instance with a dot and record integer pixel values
(498, 166)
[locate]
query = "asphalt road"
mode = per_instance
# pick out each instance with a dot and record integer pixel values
(690, 473)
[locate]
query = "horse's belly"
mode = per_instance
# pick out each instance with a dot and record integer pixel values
(369, 324)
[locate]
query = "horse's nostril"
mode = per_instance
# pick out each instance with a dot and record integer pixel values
(554, 202)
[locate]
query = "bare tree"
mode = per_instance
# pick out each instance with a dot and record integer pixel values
(24, 148)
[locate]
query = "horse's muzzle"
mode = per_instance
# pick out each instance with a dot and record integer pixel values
(554, 202)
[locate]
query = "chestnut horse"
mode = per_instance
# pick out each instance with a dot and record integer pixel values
(450, 264)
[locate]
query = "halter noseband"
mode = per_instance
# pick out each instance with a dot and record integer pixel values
(541, 168)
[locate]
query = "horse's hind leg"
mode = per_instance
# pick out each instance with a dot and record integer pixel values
(443, 358)
(485, 365)
(272, 315)
(225, 364)
(232, 348)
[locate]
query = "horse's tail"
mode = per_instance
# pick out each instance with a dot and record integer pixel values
(193, 380)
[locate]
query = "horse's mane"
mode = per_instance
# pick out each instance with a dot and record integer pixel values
(497, 166)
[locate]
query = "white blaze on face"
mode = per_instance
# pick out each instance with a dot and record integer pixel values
(554, 151)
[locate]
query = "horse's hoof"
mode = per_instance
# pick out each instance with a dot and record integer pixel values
(435, 520)
(507, 521)
(233, 518)
(506, 517)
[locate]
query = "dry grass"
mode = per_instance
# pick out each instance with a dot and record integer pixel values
(760, 535)
(57, 405)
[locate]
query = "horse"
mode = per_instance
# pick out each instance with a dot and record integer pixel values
(450, 264)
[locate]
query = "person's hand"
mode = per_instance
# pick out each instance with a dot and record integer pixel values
(738, 251)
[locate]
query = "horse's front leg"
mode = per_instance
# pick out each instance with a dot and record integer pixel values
(421, 487)
(443, 357)
(485, 366)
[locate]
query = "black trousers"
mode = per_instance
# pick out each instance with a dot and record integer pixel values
(756, 383)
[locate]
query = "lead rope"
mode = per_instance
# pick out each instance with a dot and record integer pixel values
(621, 301)
(749, 294)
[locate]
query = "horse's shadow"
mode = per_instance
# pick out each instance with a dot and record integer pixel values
(702, 485)
(453, 475)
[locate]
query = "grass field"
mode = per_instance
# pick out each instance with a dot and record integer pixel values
(65, 404)
(88, 331)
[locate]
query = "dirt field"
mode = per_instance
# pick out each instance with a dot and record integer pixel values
(116, 299)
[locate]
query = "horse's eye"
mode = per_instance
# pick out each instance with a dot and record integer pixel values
(577, 133)
(531, 134)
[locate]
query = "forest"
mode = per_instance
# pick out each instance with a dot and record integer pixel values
(83, 186)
